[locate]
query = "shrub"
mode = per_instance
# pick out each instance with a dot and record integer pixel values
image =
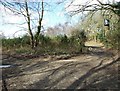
(113, 39)
(78, 38)
(56, 45)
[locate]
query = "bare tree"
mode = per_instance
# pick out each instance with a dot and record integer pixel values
(24, 8)
(29, 25)
(40, 25)
(89, 6)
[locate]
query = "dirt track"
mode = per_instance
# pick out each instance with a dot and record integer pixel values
(96, 69)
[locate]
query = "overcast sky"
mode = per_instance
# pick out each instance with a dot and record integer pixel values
(53, 17)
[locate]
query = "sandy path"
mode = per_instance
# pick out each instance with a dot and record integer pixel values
(82, 71)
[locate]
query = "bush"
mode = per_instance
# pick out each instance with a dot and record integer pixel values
(44, 40)
(56, 45)
(78, 38)
(113, 39)
(10, 43)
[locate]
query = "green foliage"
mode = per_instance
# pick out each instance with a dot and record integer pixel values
(78, 38)
(44, 40)
(62, 40)
(101, 36)
(47, 45)
(15, 42)
(11, 42)
(25, 40)
(113, 37)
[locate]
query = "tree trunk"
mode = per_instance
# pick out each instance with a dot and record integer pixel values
(39, 27)
(29, 28)
(37, 36)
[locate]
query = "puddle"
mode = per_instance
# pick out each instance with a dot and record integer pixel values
(5, 66)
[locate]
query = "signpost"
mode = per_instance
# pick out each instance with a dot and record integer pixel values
(107, 25)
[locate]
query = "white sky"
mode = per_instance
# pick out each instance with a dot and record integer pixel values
(9, 23)
(7, 17)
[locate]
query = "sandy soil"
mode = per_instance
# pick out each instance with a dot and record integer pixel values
(96, 69)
